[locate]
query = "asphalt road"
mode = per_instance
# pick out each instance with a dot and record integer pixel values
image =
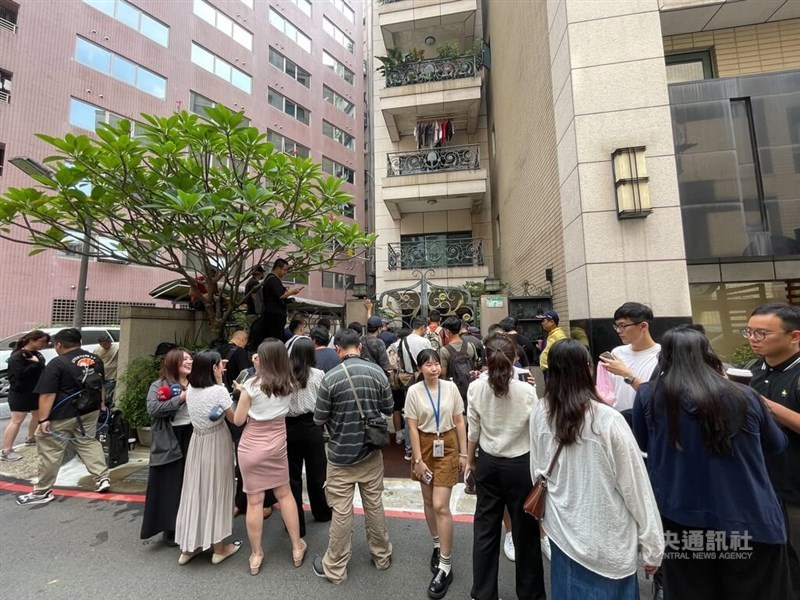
(73, 549)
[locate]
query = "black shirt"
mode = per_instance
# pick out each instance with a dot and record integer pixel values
(23, 373)
(63, 376)
(238, 360)
(271, 293)
(780, 384)
(478, 346)
(528, 356)
(248, 295)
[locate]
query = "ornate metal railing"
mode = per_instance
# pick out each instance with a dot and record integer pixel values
(434, 69)
(428, 253)
(5, 97)
(433, 160)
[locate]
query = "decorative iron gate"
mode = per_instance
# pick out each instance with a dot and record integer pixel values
(406, 303)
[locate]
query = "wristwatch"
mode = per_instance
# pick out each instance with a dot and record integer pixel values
(419, 460)
(629, 380)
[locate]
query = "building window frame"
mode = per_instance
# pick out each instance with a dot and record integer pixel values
(288, 106)
(289, 29)
(702, 56)
(118, 67)
(287, 145)
(337, 67)
(219, 20)
(337, 281)
(146, 24)
(290, 68)
(335, 169)
(338, 35)
(338, 101)
(221, 68)
(338, 135)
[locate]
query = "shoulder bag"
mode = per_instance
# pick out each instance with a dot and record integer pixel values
(376, 429)
(535, 502)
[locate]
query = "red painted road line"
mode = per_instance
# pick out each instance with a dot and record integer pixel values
(111, 497)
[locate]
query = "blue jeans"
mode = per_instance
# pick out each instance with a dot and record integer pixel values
(571, 581)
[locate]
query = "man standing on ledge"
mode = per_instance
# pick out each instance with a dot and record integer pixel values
(351, 461)
(68, 416)
(275, 298)
(554, 334)
(773, 331)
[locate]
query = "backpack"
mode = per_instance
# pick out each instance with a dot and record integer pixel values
(90, 396)
(114, 439)
(459, 367)
(434, 339)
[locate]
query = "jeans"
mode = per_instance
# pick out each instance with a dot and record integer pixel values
(571, 581)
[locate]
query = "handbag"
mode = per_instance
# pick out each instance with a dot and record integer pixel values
(535, 502)
(376, 429)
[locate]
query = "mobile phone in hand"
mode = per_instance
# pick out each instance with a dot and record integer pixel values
(607, 355)
(243, 375)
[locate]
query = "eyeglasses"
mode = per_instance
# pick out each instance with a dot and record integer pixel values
(758, 335)
(619, 328)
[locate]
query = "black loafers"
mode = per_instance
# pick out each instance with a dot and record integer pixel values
(435, 560)
(440, 584)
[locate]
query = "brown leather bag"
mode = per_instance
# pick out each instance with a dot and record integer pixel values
(535, 502)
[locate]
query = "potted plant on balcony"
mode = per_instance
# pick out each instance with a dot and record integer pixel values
(448, 50)
(132, 400)
(395, 57)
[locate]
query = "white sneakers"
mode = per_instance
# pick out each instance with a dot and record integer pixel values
(508, 547)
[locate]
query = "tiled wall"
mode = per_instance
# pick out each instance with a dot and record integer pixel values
(745, 50)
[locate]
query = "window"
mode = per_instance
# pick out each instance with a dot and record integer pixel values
(2, 158)
(118, 67)
(283, 104)
(225, 24)
(337, 67)
(296, 278)
(286, 27)
(88, 116)
(221, 68)
(345, 9)
(303, 5)
(8, 17)
(337, 281)
(337, 135)
(198, 104)
(286, 145)
(343, 104)
(331, 167)
(133, 17)
(689, 66)
(337, 34)
(5, 86)
(292, 70)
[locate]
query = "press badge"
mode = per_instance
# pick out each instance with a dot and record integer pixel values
(438, 448)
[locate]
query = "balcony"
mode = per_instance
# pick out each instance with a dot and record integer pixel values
(435, 253)
(8, 25)
(445, 178)
(409, 22)
(5, 97)
(429, 89)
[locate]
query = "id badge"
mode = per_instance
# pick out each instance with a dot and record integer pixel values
(438, 448)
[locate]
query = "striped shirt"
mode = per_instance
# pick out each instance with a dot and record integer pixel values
(337, 409)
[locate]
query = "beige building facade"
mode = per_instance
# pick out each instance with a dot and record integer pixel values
(704, 97)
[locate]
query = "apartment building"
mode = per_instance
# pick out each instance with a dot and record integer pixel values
(639, 150)
(294, 66)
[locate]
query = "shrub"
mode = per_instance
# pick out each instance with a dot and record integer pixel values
(135, 382)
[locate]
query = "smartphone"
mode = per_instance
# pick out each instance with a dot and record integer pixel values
(523, 375)
(427, 477)
(607, 355)
(243, 375)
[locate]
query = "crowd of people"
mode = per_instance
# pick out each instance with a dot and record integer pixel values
(681, 471)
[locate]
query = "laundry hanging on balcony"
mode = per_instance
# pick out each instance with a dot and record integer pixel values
(431, 134)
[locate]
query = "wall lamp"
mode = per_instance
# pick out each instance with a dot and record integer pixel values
(492, 285)
(360, 290)
(631, 183)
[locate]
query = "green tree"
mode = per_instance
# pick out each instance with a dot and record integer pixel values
(211, 188)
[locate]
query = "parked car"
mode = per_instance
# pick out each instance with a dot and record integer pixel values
(90, 335)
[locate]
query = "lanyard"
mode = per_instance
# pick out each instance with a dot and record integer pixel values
(436, 409)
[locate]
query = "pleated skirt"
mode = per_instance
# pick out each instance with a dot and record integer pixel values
(164, 483)
(205, 514)
(262, 456)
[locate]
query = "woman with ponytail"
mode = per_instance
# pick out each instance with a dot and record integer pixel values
(498, 412)
(25, 366)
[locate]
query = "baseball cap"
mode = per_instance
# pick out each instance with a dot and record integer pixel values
(374, 323)
(549, 314)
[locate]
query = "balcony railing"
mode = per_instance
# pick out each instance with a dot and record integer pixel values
(5, 97)
(434, 69)
(433, 253)
(6, 24)
(434, 160)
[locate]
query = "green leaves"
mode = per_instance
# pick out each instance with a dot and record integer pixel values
(211, 187)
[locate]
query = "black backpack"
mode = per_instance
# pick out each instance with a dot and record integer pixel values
(90, 396)
(459, 367)
(113, 437)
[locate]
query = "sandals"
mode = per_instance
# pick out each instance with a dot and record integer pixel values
(298, 557)
(218, 558)
(255, 563)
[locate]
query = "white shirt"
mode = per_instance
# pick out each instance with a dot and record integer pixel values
(642, 363)
(200, 401)
(181, 416)
(603, 474)
(263, 407)
(304, 400)
(420, 407)
(416, 344)
(500, 425)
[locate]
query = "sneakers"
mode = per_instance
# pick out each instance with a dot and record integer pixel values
(35, 498)
(408, 455)
(10, 455)
(316, 566)
(399, 436)
(546, 547)
(102, 486)
(30, 441)
(508, 548)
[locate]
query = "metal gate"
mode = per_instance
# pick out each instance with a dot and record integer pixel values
(403, 304)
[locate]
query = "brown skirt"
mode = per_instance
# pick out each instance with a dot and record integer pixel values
(445, 469)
